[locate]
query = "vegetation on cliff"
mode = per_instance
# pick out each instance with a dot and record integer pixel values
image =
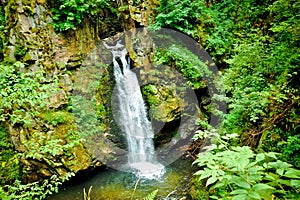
(255, 44)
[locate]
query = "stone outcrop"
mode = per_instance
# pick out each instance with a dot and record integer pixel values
(165, 104)
(31, 39)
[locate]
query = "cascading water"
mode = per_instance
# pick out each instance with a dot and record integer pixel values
(132, 118)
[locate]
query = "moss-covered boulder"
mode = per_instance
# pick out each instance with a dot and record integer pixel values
(165, 105)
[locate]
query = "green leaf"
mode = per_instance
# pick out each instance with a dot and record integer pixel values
(280, 171)
(239, 191)
(261, 186)
(295, 183)
(260, 157)
(271, 177)
(240, 182)
(254, 195)
(151, 196)
(211, 180)
(272, 155)
(284, 182)
(241, 197)
(206, 174)
(292, 173)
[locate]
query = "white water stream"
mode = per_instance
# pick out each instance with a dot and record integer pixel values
(132, 118)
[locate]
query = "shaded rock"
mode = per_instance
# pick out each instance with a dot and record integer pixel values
(31, 56)
(81, 158)
(61, 171)
(58, 99)
(74, 64)
(45, 172)
(26, 23)
(66, 82)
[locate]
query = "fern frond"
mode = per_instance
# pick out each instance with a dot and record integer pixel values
(151, 196)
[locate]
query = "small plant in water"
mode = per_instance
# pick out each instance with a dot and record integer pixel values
(87, 196)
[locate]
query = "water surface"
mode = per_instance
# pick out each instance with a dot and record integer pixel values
(117, 185)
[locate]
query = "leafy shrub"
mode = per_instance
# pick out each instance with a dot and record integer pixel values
(260, 80)
(181, 15)
(67, 14)
(291, 149)
(9, 161)
(187, 63)
(239, 173)
(33, 190)
(22, 94)
(86, 120)
(58, 117)
(286, 143)
(40, 147)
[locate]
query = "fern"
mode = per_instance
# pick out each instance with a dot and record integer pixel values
(151, 196)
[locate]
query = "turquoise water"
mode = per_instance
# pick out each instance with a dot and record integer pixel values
(117, 185)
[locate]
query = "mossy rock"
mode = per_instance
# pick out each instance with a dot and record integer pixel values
(198, 190)
(10, 167)
(57, 117)
(165, 105)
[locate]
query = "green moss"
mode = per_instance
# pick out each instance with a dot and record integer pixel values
(20, 50)
(198, 191)
(10, 168)
(29, 10)
(10, 8)
(164, 103)
(57, 117)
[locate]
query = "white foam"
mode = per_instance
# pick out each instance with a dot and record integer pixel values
(148, 170)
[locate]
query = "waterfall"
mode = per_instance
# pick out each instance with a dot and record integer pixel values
(132, 117)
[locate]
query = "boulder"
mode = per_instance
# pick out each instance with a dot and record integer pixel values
(165, 105)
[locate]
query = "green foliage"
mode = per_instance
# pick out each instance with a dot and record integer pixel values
(58, 117)
(42, 146)
(224, 23)
(33, 191)
(70, 13)
(86, 120)
(92, 107)
(151, 196)
(256, 43)
(20, 50)
(22, 94)
(181, 15)
(239, 173)
(148, 92)
(103, 97)
(291, 149)
(187, 63)
(247, 82)
(8, 160)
